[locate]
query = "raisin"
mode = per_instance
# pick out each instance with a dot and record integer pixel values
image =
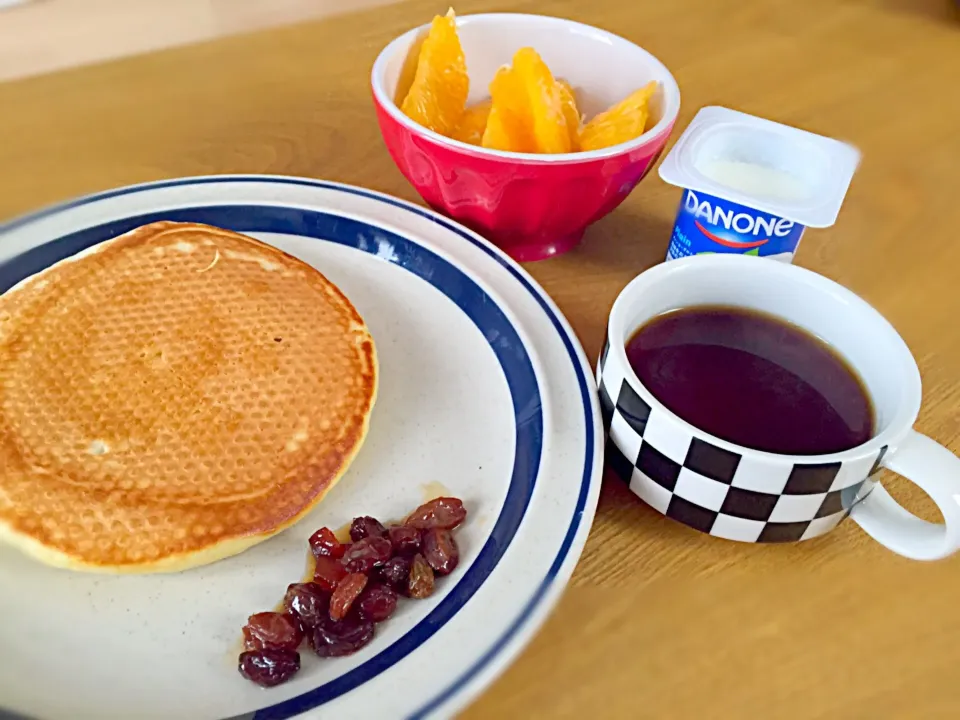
(395, 572)
(366, 554)
(324, 542)
(440, 550)
(364, 527)
(443, 512)
(377, 602)
(272, 631)
(405, 540)
(308, 602)
(347, 591)
(336, 639)
(420, 582)
(269, 667)
(328, 573)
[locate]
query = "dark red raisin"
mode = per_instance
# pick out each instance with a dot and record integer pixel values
(347, 591)
(366, 554)
(440, 550)
(377, 602)
(443, 512)
(269, 667)
(272, 631)
(364, 527)
(329, 573)
(335, 639)
(308, 602)
(395, 572)
(405, 540)
(324, 542)
(420, 582)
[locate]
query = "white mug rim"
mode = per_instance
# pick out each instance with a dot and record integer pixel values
(904, 417)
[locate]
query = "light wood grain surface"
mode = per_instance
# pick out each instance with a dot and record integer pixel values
(659, 621)
(40, 36)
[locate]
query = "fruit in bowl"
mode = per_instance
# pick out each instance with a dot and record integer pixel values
(483, 115)
(528, 111)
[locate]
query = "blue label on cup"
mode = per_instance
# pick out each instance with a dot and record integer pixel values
(708, 224)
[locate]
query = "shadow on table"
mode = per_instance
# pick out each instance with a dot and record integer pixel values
(585, 281)
(628, 240)
(930, 9)
(659, 546)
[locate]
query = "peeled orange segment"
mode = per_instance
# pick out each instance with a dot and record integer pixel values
(571, 114)
(473, 123)
(623, 122)
(438, 94)
(544, 102)
(527, 113)
(508, 125)
(503, 132)
(409, 69)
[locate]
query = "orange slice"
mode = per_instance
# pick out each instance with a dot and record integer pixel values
(409, 69)
(473, 123)
(527, 113)
(544, 102)
(568, 104)
(623, 122)
(508, 126)
(438, 94)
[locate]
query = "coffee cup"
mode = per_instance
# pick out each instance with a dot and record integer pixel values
(739, 493)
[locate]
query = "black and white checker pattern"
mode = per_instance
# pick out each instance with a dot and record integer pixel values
(738, 496)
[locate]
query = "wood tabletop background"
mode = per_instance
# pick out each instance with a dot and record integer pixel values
(40, 36)
(659, 621)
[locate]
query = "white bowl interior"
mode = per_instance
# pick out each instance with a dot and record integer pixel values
(602, 68)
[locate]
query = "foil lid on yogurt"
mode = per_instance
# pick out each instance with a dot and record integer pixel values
(772, 168)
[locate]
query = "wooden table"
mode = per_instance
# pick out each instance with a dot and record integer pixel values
(659, 622)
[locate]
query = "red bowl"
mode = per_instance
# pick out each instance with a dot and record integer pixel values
(532, 206)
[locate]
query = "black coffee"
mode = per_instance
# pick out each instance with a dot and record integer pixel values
(752, 379)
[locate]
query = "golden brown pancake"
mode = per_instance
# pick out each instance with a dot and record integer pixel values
(172, 397)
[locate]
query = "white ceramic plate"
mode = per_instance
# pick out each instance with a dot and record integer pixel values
(484, 391)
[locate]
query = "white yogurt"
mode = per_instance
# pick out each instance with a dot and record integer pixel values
(754, 179)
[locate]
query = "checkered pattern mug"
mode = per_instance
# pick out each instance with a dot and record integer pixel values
(742, 494)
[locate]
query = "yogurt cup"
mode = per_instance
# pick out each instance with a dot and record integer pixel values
(752, 186)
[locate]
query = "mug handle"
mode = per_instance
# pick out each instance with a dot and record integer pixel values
(936, 471)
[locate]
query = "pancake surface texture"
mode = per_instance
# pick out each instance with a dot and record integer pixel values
(172, 397)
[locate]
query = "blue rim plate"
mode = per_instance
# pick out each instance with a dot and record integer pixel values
(484, 388)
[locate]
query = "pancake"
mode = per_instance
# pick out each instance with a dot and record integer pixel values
(172, 397)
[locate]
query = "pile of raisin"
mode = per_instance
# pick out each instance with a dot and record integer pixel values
(355, 586)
